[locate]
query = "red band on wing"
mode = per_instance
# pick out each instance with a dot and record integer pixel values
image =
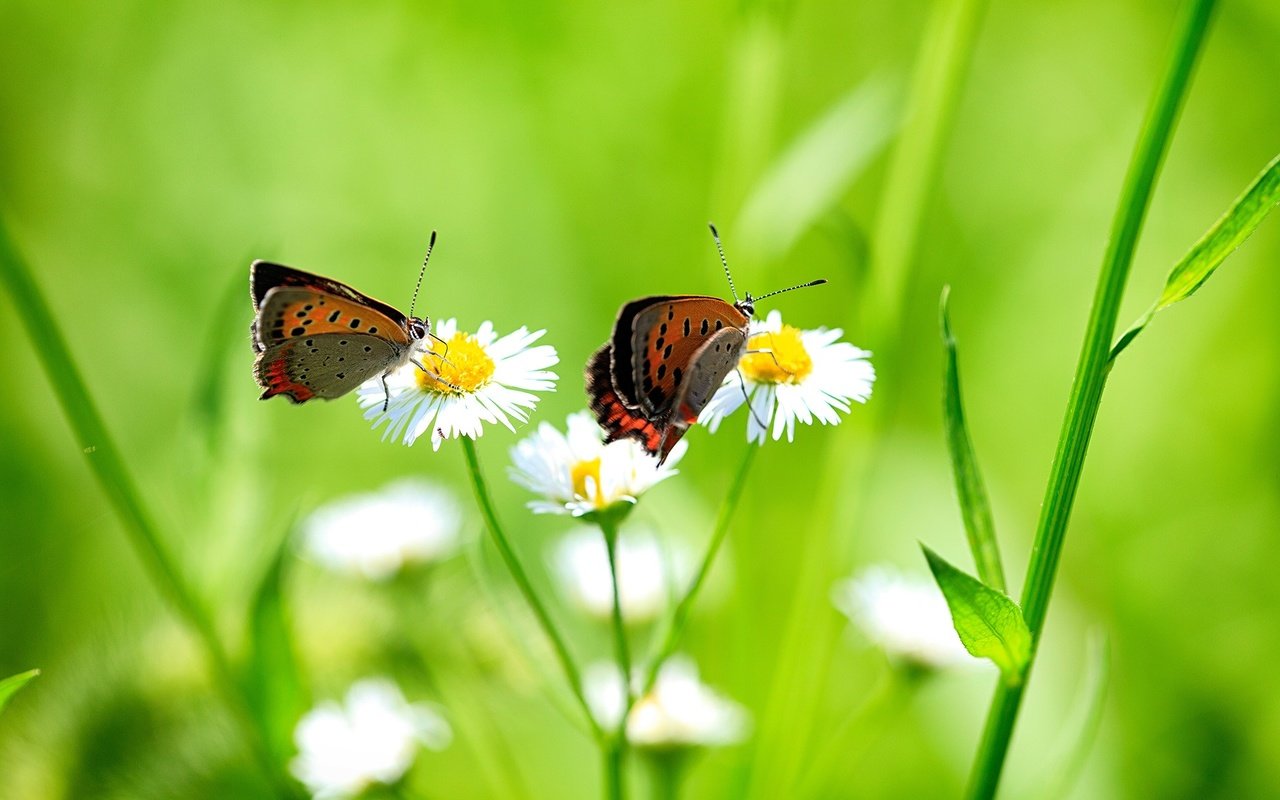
(274, 377)
(620, 422)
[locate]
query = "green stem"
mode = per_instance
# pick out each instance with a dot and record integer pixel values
(1090, 379)
(539, 609)
(109, 469)
(680, 617)
(871, 720)
(666, 774)
(613, 757)
(609, 529)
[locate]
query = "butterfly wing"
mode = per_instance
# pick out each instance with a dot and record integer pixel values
(288, 313)
(618, 419)
(666, 340)
(265, 276)
(324, 365)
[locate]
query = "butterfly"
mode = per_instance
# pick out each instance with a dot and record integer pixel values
(665, 360)
(317, 337)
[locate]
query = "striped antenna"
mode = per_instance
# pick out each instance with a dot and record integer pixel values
(818, 282)
(720, 249)
(430, 245)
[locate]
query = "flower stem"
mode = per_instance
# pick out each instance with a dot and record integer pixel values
(609, 529)
(613, 756)
(680, 617)
(666, 773)
(539, 609)
(1090, 379)
(109, 468)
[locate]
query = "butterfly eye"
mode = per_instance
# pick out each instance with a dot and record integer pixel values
(418, 327)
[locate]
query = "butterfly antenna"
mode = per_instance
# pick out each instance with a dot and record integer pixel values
(422, 274)
(724, 261)
(818, 282)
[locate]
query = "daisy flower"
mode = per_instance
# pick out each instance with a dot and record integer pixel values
(483, 378)
(378, 534)
(791, 375)
(577, 473)
(905, 616)
(370, 738)
(649, 573)
(680, 712)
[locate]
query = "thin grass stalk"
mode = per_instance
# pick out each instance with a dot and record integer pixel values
(942, 65)
(539, 609)
(108, 467)
(1090, 380)
(680, 616)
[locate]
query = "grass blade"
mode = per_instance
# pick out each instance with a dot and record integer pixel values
(10, 685)
(976, 510)
(109, 469)
(1229, 232)
(819, 167)
(1086, 719)
(273, 677)
(1091, 377)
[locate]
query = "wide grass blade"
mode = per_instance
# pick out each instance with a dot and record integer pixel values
(1220, 241)
(10, 685)
(1086, 718)
(273, 677)
(990, 625)
(818, 168)
(974, 507)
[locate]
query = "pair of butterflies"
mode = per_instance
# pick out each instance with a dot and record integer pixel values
(667, 357)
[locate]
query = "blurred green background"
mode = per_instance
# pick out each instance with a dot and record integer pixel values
(570, 154)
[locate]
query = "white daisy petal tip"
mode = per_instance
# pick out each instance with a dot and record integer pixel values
(788, 375)
(483, 379)
(578, 474)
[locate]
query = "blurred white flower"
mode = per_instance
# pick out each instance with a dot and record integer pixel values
(577, 473)
(649, 573)
(681, 711)
(482, 379)
(379, 533)
(906, 616)
(791, 375)
(370, 738)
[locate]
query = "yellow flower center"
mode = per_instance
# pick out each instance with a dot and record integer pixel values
(464, 369)
(581, 471)
(783, 358)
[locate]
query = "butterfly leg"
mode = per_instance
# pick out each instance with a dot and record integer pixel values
(742, 384)
(435, 376)
(386, 394)
(770, 354)
(444, 357)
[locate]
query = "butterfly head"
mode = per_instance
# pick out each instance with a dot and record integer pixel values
(419, 328)
(746, 305)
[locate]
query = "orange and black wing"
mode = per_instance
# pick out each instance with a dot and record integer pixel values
(617, 419)
(667, 337)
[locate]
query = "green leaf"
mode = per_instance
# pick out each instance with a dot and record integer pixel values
(818, 167)
(1220, 241)
(989, 623)
(10, 685)
(273, 677)
(975, 509)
